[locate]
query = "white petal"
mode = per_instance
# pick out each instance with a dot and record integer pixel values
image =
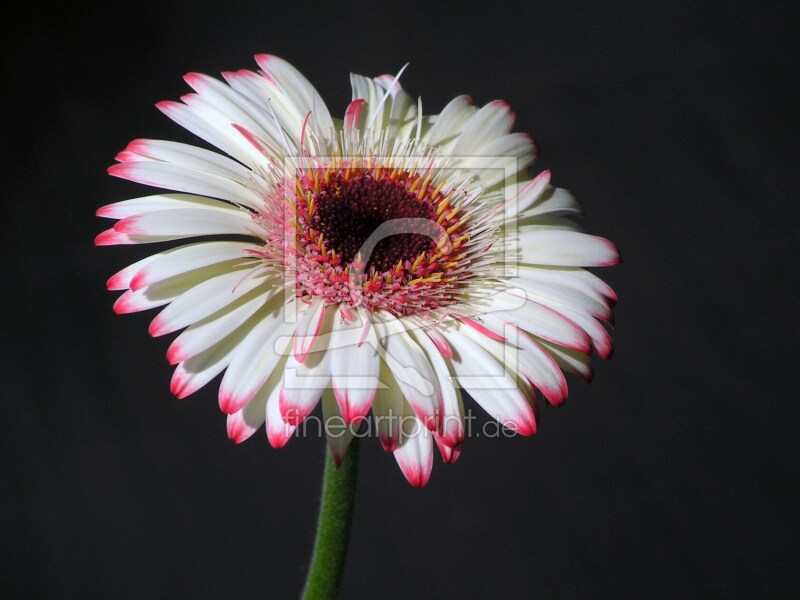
(519, 354)
(601, 339)
(403, 110)
(532, 191)
(555, 295)
(548, 223)
(414, 456)
(514, 307)
(186, 179)
(236, 106)
(187, 156)
(207, 298)
(555, 201)
(493, 168)
(388, 410)
(202, 119)
(137, 206)
(187, 222)
(308, 328)
(450, 122)
(411, 369)
(283, 119)
(121, 280)
(452, 428)
(215, 111)
(279, 432)
(566, 248)
(363, 88)
(257, 357)
(489, 384)
(571, 361)
(491, 122)
(192, 374)
(204, 334)
(246, 421)
(535, 363)
(163, 292)
(354, 368)
(576, 278)
(189, 257)
(449, 454)
(304, 382)
(298, 90)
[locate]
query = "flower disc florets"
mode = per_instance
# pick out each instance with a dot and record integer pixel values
(384, 238)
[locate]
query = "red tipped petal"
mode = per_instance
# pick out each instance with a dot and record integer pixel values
(175, 353)
(128, 225)
(352, 411)
(111, 237)
(229, 404)
(118, 281)
(292, 413)
(180, 386)
(157, 327)
(389, 441)
(238, 429)
(140, 280)
(125, 304)
(449, 454)
(415, 457)
(278, 431)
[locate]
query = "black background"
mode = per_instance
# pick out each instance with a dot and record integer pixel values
(674, 474)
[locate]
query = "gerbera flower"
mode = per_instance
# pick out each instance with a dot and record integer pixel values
(380, 262)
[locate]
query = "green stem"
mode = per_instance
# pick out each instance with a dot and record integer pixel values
(333, 526)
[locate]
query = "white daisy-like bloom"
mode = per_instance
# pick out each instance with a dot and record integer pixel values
(384, 261)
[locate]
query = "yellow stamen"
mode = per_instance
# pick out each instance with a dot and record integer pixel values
(435, 257)
(442, 242)
(452, 228)
(424, 187)
(444, 204)
(418, 260)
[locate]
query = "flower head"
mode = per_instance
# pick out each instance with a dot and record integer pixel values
(381, 262)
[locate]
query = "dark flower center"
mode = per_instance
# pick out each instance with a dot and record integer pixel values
(348, 211)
